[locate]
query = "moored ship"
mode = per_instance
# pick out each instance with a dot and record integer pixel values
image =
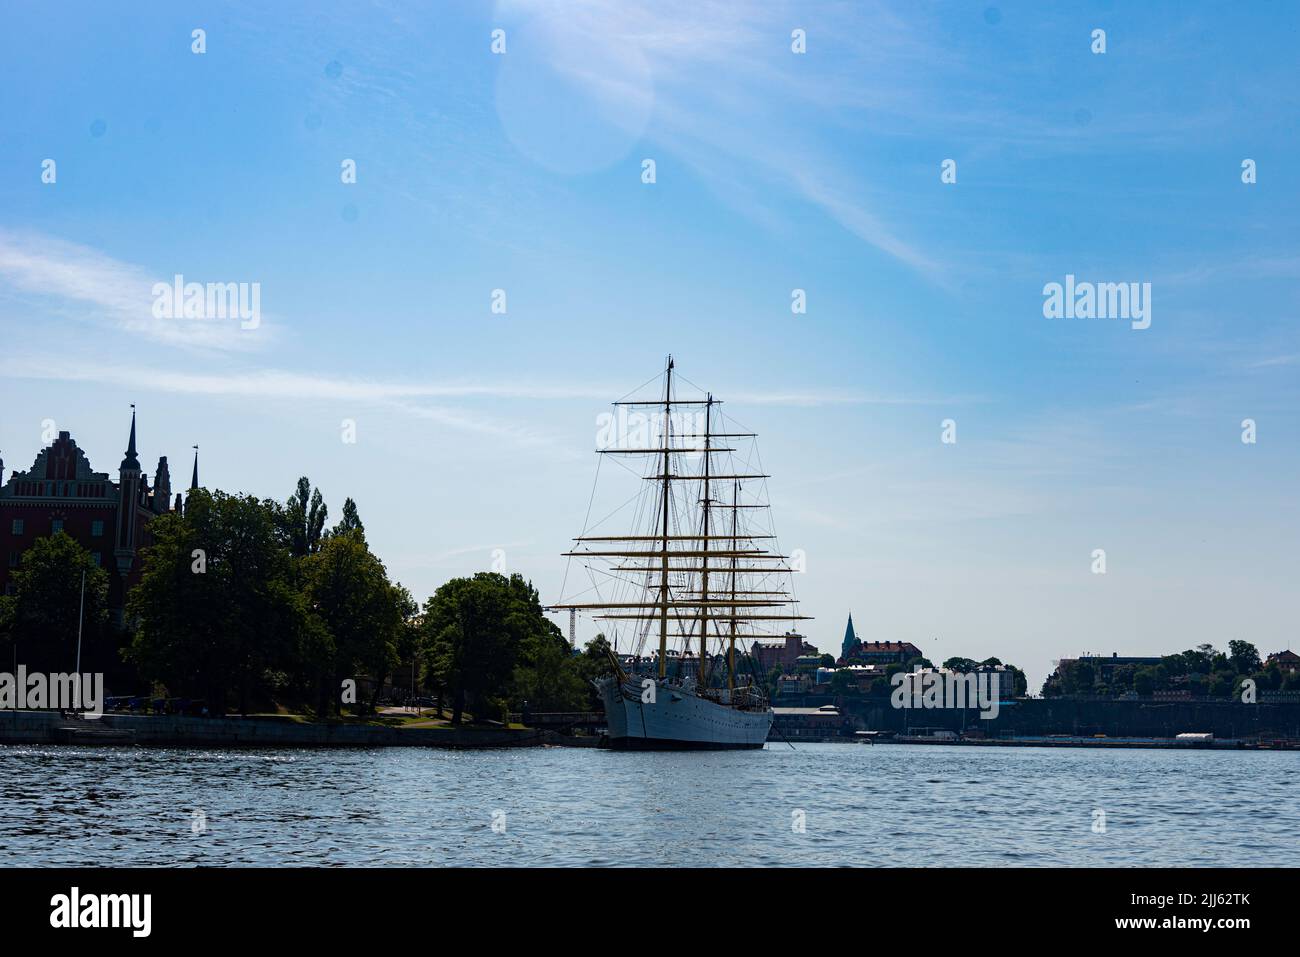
(695, 571)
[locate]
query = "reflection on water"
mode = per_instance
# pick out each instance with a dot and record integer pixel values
(883, 805)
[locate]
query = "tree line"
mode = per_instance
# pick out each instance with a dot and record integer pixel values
(253, 604)
(1203, 671)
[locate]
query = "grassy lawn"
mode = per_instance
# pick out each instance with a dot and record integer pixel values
(427, 718)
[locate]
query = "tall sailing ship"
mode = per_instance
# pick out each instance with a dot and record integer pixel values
(696, 572)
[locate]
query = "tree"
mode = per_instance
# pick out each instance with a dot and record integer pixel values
(215, 608)
(773, 677)
(407, 645)
(1244, 657)
(1080, 679)
(350, 522)
(304, 517)
(474, 631)
(843, 682)
(348, 589)
(42, 615)
(547, 676)
(592, 664)
(1144, 681)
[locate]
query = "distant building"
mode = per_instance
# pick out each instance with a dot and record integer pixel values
(816, 723)
(62, 493)
(784, 653)
(1104, 666)
(862, 675)
(793, 684)
(1285, 660)
(807, 664)
(880, 653)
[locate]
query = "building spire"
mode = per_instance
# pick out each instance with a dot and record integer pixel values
(194, 479)
(850, 638)
(131, 462)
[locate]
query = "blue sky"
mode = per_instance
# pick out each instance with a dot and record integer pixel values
(774, 171)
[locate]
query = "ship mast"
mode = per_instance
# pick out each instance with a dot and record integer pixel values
(648, 557)
(731, 638)
(704, 573)
(663, 580)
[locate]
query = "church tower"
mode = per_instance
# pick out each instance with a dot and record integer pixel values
(162, 487)
(129, 494)
(850, 639)
(194, 479)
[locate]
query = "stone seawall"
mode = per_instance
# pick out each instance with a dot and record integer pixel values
(1043, 716)
(48, 727)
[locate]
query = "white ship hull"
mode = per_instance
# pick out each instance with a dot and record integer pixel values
(677, 719)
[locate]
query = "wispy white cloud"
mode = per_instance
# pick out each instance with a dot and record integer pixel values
(82, 284)
(720, 102)
(417, 400)
(1275, 361)
(282, 384)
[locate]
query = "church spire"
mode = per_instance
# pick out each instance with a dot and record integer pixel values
(131, 462)
(850, 639)
(130, 492)
(194, 479)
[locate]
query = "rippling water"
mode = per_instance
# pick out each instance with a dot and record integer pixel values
(884, 805)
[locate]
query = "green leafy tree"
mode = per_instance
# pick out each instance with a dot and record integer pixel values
(475, 630)
(1144, 681)
(773, 676)
(1244, 657)
(304, 519)
(1081, 679)
(41, 617)
(215, 609)
(592, 664)
(364, 614)
(350, 522)
(547, 676)
(1221, 682)
(843, 683)
(407, 645)
(1175, 665)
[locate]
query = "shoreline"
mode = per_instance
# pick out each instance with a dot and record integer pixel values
(172, 731)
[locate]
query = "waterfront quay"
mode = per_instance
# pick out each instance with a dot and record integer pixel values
(1046, 722)
(1215, 725)
(50, 727)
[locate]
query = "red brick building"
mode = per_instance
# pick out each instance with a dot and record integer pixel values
(1285, 660)
(785, 652)
(61, 492)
